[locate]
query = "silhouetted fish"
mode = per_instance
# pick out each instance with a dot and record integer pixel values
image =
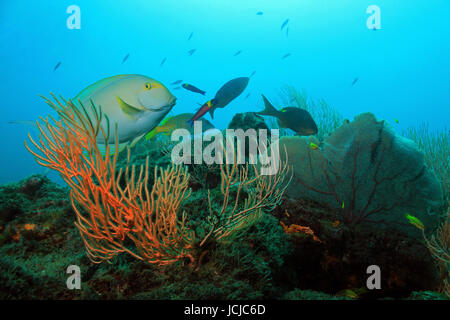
(293, 118)
(57, 66)
(248, 95)
(176, 82)
(286, 55)
(162, 62)
(354, 81)
(190, 36)
(192, 88)
(284, 24)
(237, 53)
(228, 92)
(125, 58)
(191, 52)
(253, 73)
(259, 13)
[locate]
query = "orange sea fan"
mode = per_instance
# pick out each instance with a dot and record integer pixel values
(108, 215)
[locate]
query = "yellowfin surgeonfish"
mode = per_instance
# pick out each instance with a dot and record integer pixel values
(314, 146)
(134, 102)
(415, 222)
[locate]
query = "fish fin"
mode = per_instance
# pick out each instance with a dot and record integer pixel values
(269, 108)
(29, 123)
(190, 122)
(203, 92)
(211, 112)
(136, 140)
(151, 134)
(128, 109)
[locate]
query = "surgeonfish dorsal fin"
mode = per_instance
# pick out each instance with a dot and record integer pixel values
(128, 109)
(269, 108)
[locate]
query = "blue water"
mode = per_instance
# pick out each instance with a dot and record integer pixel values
(403, 69)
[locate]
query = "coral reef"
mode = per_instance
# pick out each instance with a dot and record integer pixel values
(366, 171)
(436, 148)
(243, 235)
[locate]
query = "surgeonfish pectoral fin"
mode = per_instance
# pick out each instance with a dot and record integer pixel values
(128, 109)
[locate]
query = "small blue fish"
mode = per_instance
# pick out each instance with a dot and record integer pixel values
(177, 88)
(354, 81)
(125, 58)
(190, 36)
(253, 73)
(237, 53)
(57, 66)
(286, 55)
(259, 13)
(176, 82)
(162, 62)
(191, 52)
(248, 95)
(192, 88)
(284, 24)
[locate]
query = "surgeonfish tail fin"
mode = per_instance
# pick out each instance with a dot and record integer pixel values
(269, 108)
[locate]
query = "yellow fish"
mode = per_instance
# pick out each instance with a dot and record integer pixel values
(313, 146)
(415, 222)
(134, 102)
(343, 205)
(348, 293)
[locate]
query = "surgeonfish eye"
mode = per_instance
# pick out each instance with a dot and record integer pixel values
(147, 86)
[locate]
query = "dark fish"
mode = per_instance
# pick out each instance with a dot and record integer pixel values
(253, 73)
(248, 95)
(201, 112)
(228, 92)
(284, 24)
(285, 56)
(292, 118)
(259, 13)
(176, 82)
(57, 66)
(191, 52)
(162, 62)
(125, 58)
(237, 53)
(190, 36)
(192, 88)
(354, 81)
